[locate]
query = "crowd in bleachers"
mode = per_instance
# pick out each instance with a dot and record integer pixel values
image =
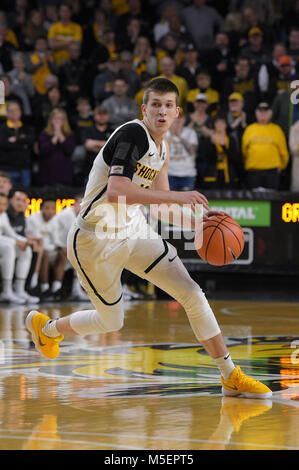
(72, 71)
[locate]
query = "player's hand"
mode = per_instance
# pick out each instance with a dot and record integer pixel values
(209, 214)
(192, 198)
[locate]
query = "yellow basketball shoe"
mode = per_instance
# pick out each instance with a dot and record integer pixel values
(47, 347)
(239, 383)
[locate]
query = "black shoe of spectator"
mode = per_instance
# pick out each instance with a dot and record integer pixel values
(57, 295)
(46, 296)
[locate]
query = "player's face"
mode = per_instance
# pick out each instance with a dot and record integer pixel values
(160, 112)
(3, 204)
(49, 210)
(19, 201)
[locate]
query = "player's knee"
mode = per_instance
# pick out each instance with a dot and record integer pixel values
(108, 325)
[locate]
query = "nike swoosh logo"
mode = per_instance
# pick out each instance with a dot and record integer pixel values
(151, 154)
(40, 342)
(231, 388)
(171, 259)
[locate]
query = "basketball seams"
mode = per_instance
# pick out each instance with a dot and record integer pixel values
(210, 238)
(215, 223)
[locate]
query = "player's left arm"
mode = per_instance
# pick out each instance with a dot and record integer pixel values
(181, 216)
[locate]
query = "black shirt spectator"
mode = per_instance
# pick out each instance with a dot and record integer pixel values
(73, 76)
(95, 137)
(16, 145)
(190, 65)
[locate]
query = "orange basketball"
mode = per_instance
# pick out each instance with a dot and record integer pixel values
(222, 240)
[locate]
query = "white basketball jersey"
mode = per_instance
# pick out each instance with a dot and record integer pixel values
(131, 152)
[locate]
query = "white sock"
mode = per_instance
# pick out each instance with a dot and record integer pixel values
(44, 286)
(76, 287)
(20, 286)
(34, 280)
(7, 286)
(50, 329)
(225, 365)
(56, 286)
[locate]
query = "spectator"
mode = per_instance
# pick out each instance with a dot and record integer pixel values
(112, 16)
(256, 51)
(282, 111)
(281, 81)
(121, 108)
(162, 27)
(182, 142)
(16, 146)
(293, 44)
(264, 150)
(143, 58)
(145, 79)
(43, 226)
(251, 19)
(220, 60)
(128, 74)
(26, 259)
(103, 83)
(170, 47)
(244, 82)
(8, 96)
(5, 183)
(73, 76)
(294, 149)
(41, 65)
(80, 123)
(291, 18)
(33, 29)
(6, 50)
(233, 28)
(168, 67)
(264, 8)
(110, 41)
(10, 34)
(203, 81)
(222, 162)
(93, 33)
(95, 137)
(56, 144)
(63, 33)
(278, 51)
(45, 106)
(22, 82)
(190, 66)
(132, 32)
(11, 247)
(201, 22)
(51, 15)
(135, 13)
(64, 220)
(236, 118)
(201, 122)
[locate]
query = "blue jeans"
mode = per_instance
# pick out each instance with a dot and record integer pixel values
(21, 177)
(181, 183)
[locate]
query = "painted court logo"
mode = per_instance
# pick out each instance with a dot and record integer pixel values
(163, 370)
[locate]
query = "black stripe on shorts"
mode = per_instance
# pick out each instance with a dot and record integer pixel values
(151, 266)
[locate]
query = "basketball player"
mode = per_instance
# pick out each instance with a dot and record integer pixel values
(133, 165)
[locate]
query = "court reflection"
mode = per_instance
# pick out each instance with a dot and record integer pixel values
(150, 385)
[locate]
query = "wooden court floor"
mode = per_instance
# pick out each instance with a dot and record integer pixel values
(150, 385)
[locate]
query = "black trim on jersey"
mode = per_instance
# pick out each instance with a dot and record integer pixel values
(87, 278)
(94, 200)
(123, 150)
(151, 266)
